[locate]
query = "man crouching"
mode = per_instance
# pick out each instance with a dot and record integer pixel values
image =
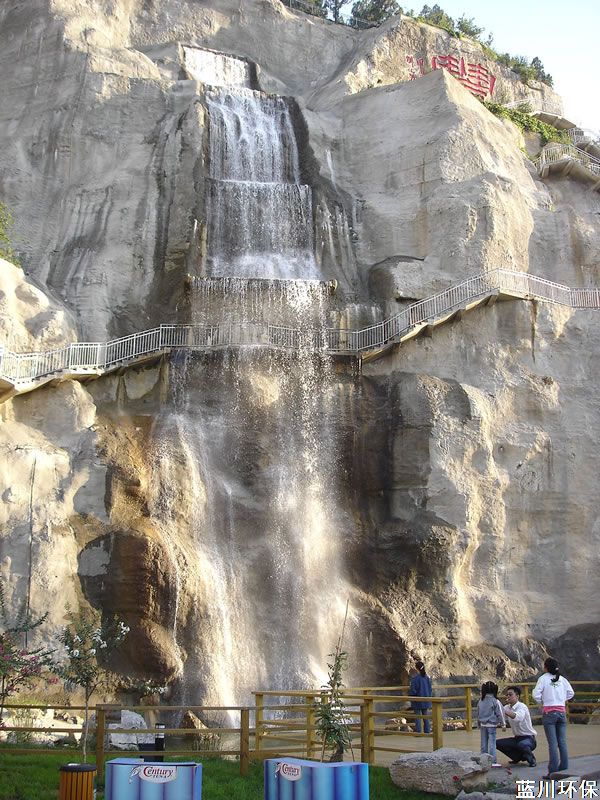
(520, 746)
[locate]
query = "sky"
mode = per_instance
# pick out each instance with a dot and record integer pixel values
(563, 35)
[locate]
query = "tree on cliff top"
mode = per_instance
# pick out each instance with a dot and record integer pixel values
(335, 6)
(468, 26)
(438, 17)
(316, 7)
(540, 73)
(373, 11)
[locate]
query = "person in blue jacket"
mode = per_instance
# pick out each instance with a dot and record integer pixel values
(420, 686)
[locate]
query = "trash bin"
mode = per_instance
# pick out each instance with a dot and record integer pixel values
(157, 746)
(76, 782)
(159, 740)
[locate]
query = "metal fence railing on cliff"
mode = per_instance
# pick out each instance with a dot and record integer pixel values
(555, 153)
(24, 371)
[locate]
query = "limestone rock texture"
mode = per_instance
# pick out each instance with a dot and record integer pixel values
(445, 771)
(466, 485)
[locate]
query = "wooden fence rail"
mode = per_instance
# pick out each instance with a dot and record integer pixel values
(289, 728)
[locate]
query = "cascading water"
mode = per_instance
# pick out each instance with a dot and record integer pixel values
(260, 216)
(251, 137)
(254, 434)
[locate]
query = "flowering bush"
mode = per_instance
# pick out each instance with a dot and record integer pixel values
(87, 641)
(20, 666)
(148, 688)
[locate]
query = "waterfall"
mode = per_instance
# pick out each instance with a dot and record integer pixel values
(260, 218)
(251, 439)
(251, 137)
(276, 302)
(260, 229)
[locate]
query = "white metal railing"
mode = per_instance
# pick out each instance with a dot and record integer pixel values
(84, 358)
(553, 153)
(583, 136)
(534, 104)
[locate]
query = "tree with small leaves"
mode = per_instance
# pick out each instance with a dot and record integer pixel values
(330, 712)
(540, 73)
(467, 26)
(335, 7)
(88, 641)
(316, 7)
(438, 17)
(20, 666)
(375, 11)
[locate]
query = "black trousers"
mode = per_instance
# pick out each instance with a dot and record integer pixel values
(517, 748)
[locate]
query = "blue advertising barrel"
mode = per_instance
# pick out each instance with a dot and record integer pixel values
(133, 779)
(297, 779)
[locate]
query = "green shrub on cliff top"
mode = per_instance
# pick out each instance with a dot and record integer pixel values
(526, 122)
(467, 26)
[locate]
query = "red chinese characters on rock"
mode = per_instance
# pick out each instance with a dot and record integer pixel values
(417, 67)
(475, 77)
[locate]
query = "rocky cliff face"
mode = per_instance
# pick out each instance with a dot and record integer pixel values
(461, 492)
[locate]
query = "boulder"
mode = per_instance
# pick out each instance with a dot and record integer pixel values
(398, 724)
(204, 739)
(46, 720)
(454, 725)
(445, 771)
(124, 741)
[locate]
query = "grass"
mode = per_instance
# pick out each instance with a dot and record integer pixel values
(35, 777)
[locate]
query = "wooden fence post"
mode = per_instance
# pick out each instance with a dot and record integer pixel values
(526, 695)
(437, 724)
(310, 727)
(258, 721)
(245, 741)
(367, 731)
(468, 709)
(100, 733)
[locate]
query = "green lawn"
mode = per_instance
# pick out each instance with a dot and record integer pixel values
(35, 777)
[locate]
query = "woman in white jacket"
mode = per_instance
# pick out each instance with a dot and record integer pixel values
(553, 691)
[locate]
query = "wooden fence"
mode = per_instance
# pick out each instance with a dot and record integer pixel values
(283, 723)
